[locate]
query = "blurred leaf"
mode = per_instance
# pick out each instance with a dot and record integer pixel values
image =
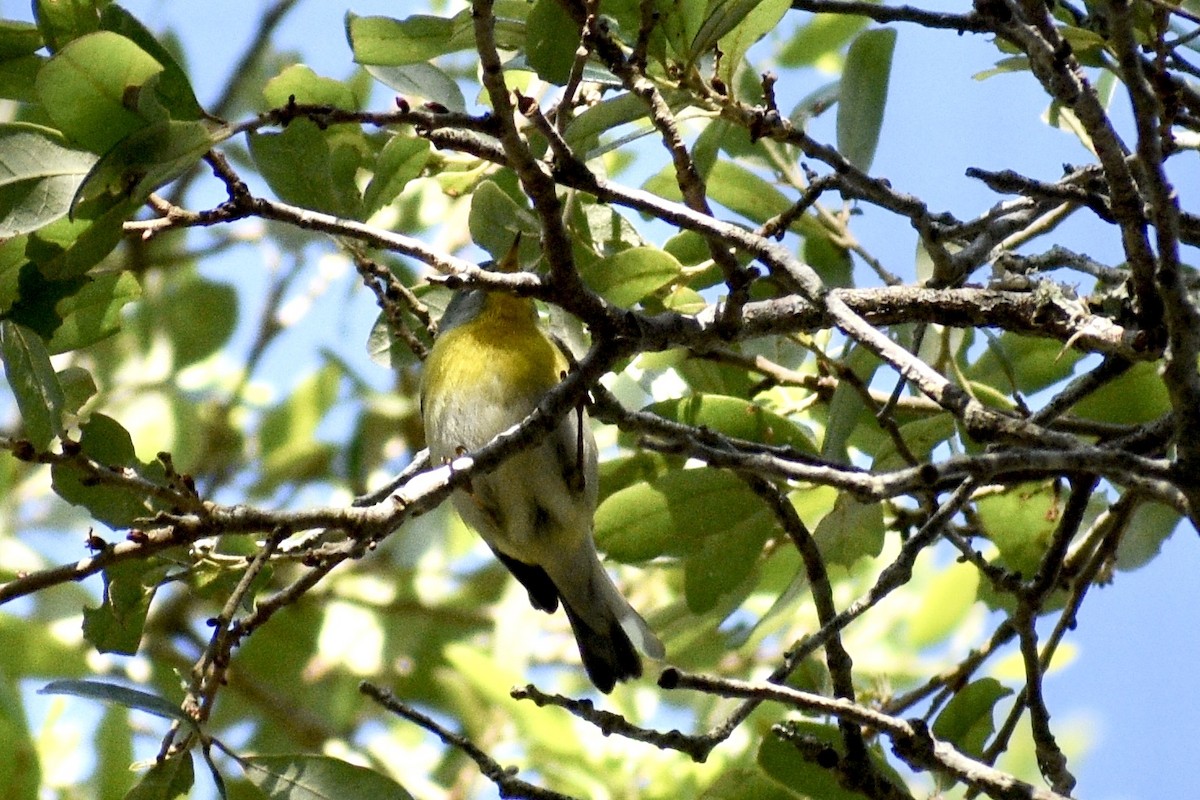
(287, 435)
(1021, 521)
(421, 80)
(631, 275)
(308, 777)
(20, 772)
(1135, 397)
(115, 694)
(671, 514)
(94, 312)
(197, 336)
(1150, 526)
(735, 417)
(33, 381)
(78, 387)
(744, 784)
(966, 721)
(169, 779)
(553, 38)
(310, 167)
(864, 95)
(116, 625)
(945, 602)
(40, 175)
(97, 90)
(114, 754)
(403, 158)
(853, 529)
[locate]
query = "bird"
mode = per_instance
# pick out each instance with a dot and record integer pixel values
(489, 367)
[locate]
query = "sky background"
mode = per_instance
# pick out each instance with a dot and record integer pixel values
(1132, 688)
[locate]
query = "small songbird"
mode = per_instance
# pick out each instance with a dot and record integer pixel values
(489, 368)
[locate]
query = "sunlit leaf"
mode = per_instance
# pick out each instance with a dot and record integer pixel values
(169, 779)
(40, 176)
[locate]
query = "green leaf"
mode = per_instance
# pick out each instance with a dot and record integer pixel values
(820, 40)
(1021, 522)
(39, 175)
(116, 694)
(944, 604)
(736, 417)
(287, 435)
(401, 160)
(852, 530)
(672, 514)
(782, 762)
(310, 167)
(745, 193)
(94, 312)
(864, 95)
(20, 771)
(308, 777)
(1150, 526)
(553, 38)
(387, 42)
(93, 90)
(847, 409)
(723, 17)
(18, 39)
(18, 78)
(762, 17)
(61, 21)
(33, 382)
(116, 625)
(169, 779)
(1031, 362)
(496, 219)
(67, 249)
(632, 275)
(723, 563)
(1137, 396)
(966, 721)
(680, 21)
(196, 336)
(421, 80)
(921, 436)
(112, 778)
(300, 82)
(104, 440)
(146, 159)
(172, 87)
